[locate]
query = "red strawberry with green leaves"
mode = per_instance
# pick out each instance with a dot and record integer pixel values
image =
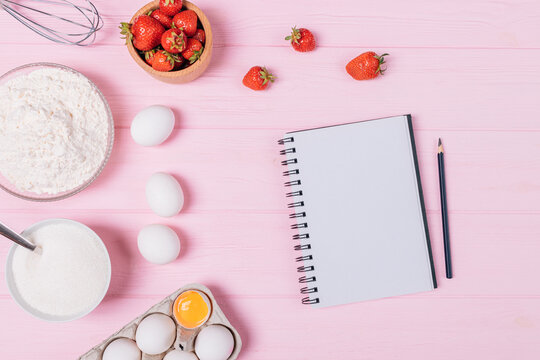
(164, 61)
(170, 7)
(145, 33)
(257, 78)
(160, 16)
(366, 66)
(179, 63)
(149, 56)
(200, 35)
(301, 39)
(174, 41)
(193, 50)
(187, 21)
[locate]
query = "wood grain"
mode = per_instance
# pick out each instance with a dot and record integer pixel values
(239, 169)
(467, 71)
(411, 328)
(491, 251)
(446, 89)
(462, 24)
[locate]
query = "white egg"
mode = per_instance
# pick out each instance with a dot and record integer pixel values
(155, 334)
(152, 125)
(122, 349)
(214, 342)
(180, 355)
(164, 194)
(158, 244)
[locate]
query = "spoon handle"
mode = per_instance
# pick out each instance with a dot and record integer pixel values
(12, 235)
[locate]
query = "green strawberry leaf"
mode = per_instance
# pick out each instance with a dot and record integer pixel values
(381, 59)
(266, 76)
(149, 54)
(196, 55)
(125, 29)
(295, 35)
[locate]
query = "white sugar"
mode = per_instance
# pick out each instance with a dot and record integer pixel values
(70, 275)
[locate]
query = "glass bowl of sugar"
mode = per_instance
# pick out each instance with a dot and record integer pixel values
(66, 277)
(56, 132)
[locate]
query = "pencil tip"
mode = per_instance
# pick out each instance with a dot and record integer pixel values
(440, 142)
(440, 147)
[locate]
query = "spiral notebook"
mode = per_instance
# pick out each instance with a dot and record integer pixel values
(357, 201)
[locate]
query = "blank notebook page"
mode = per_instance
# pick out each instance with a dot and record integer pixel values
(364, 211)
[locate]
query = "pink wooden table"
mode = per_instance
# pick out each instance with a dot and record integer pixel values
(467, 70)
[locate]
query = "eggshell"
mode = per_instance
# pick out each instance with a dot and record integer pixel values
(158, 244)
(155, 334)
(164, 194)
(214, 342)
(122, 349)
(180, 355)
(152, 125)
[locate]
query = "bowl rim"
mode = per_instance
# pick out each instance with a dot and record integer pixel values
(11, 283)
(183, 72)
(110, 137)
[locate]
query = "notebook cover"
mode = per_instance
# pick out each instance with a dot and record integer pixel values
(313, 289)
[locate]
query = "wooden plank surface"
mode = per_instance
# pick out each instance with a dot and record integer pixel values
(239, 169)
(491, 249)
(467, 71)
(495, 328)
(344, 23)
(450, 89)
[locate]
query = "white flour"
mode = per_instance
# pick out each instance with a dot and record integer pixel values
(53, 131)
(70, 275)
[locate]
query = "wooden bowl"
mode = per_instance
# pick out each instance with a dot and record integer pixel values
(191, 72)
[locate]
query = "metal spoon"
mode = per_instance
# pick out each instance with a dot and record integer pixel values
(12, 235)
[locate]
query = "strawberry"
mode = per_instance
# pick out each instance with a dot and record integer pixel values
(173, 41)
(160, 16)
(145, 33)
(187, 21)
(257, 78)
(193, 50)
(164, 61)
(200, 35)
(366, 66)
(179, 63)
(170, 7)
(301, 39)
(149, 56)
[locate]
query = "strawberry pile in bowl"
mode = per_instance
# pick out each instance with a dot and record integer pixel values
(170, 39)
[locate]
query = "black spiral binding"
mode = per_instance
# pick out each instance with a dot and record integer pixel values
(305, 279)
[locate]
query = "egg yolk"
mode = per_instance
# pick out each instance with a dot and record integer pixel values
(191, 309)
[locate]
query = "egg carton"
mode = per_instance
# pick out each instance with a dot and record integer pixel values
(217, 317)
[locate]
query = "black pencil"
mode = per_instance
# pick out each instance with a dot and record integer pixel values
(444, 212)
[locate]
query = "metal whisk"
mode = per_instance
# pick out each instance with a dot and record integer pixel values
(79, 31)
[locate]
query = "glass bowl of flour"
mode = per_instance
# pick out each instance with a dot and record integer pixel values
(56, 132)
(66, 277)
